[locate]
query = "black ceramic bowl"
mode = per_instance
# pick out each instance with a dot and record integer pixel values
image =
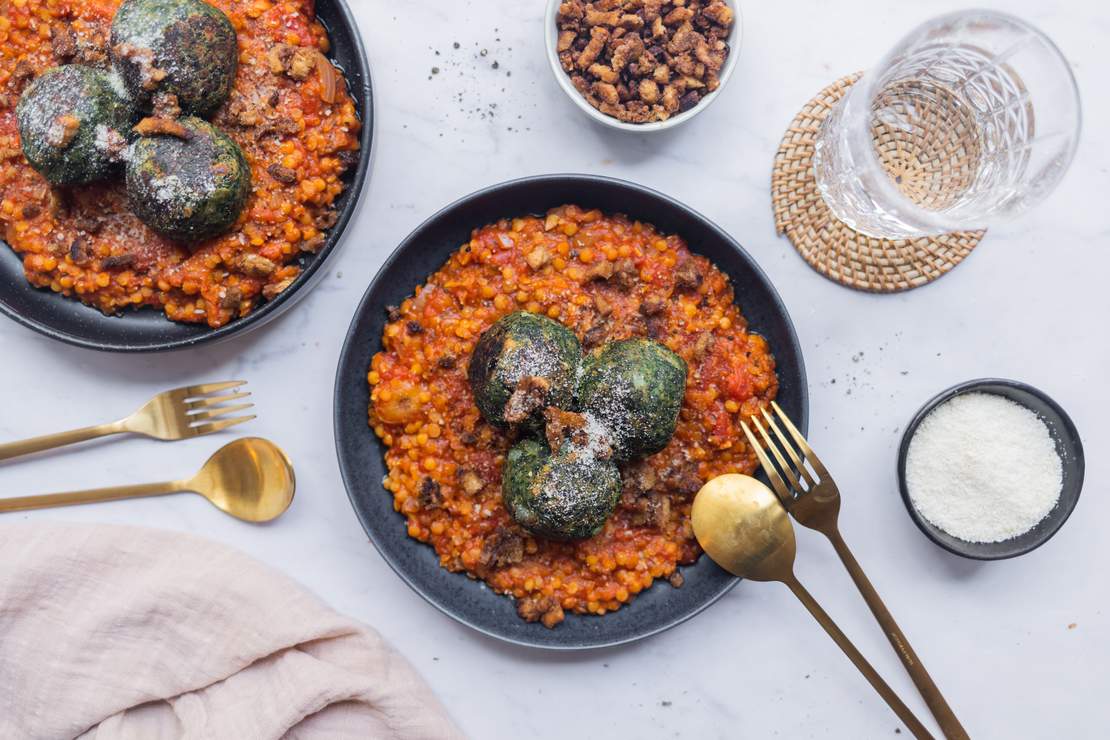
(148, 330)
(361, 454)
(1068, 446)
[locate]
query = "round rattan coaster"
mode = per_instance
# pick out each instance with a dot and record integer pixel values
(833, 248)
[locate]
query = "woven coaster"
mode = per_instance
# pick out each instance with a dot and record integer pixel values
(832, 247)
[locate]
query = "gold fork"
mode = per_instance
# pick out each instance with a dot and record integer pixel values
(816, 505)
(178, 414)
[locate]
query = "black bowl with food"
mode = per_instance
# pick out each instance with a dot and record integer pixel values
(148, 329)
(1064, 439)
(362, 454)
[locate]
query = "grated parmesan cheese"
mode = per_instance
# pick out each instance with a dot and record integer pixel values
(983, 468)
(599, 439)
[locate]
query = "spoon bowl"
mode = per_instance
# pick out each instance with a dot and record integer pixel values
(251, 479)
(742, 526)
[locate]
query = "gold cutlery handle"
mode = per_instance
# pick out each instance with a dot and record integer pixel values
(943, 713)
(52, 441)
(912, 724)
(96, 495)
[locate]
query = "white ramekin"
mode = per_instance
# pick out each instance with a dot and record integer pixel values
(551, 35)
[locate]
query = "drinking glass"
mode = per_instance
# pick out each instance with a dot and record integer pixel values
(971, 118)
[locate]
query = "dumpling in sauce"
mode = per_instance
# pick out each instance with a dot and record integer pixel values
(563, 495)
(635, 388)
(521, 365)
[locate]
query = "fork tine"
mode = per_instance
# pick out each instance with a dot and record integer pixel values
(778, 455)
(203, 390)
(798, 463)
(218, 426)
(776, 482)
(218, 412)
(201, 403)
(806, 449)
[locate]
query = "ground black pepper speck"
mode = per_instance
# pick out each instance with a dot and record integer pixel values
(473, 85)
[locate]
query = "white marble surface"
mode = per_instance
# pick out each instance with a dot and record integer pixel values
(1015, 645)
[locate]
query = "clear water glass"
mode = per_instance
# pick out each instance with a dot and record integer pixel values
(972, 118)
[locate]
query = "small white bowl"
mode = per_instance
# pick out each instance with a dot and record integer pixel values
(551, 33)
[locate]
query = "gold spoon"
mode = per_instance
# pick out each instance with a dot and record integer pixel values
(742, 526)
(250, 478)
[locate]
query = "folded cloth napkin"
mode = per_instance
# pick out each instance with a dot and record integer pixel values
(111, 632)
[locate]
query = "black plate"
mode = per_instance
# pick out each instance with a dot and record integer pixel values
(148, 330)
(1068, 446)
(361, 454)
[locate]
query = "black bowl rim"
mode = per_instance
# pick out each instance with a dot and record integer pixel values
(982, 385)
(398, 252)
(304, 282)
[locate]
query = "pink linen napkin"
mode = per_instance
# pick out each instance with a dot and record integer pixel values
(112, 632)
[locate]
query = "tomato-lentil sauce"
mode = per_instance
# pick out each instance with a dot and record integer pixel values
(606, 278)
(84, 242)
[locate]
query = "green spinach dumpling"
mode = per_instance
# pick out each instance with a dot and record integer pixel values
(521, 365)
(73, 121)
(634, 388)
(188, 189)
(184, 47)
(561, 496)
